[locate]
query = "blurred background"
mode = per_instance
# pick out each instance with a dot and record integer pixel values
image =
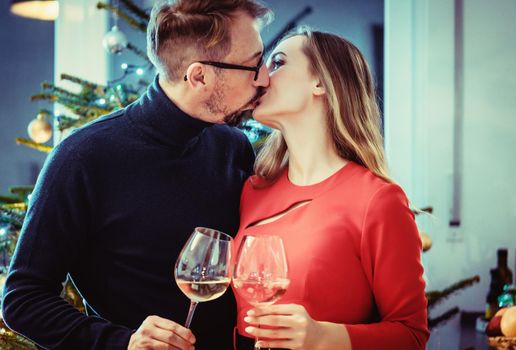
(446, 79)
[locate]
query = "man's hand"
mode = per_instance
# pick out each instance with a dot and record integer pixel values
(158, 333)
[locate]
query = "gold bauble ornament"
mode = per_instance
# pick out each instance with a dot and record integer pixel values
(427, 241)
(39, 129)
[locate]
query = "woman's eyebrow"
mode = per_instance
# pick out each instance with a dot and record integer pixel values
(278, 53)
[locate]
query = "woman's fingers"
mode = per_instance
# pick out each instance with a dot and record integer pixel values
(280, 309)
(279, 344)
(286, 326)
(274, 333)
(270, 320)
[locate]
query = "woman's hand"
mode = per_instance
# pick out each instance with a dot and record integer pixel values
(293, 328)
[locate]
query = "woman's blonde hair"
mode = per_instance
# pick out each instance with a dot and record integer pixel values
(353, 116)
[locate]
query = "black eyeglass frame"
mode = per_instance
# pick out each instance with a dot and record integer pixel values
(223, 65)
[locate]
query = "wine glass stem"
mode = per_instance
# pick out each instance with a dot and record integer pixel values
(193, 305)
(256, 345)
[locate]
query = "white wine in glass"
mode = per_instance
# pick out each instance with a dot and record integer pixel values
(202, 270)
(261, 273)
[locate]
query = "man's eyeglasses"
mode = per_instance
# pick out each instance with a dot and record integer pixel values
(223, 65)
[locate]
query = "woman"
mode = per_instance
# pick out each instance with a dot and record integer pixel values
(322, 184)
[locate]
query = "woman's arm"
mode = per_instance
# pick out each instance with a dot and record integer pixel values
(391, 259)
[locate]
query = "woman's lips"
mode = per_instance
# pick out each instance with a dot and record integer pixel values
(257, 102)
(260, 98)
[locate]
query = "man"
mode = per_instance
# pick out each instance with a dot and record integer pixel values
(117, 200)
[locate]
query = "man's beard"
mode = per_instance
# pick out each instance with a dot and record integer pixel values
(237, 117)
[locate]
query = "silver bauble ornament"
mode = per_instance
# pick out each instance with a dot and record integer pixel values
(39, 129)
(114, 41)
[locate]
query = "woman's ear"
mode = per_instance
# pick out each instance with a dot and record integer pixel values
(318, 89)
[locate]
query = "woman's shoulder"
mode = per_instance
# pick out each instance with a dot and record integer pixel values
(363, 187)
(379, 193)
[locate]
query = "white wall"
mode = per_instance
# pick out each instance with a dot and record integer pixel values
(78, 46)
(419, 94)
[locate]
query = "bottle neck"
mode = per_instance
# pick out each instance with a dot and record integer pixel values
(502, 259)
(502, 263)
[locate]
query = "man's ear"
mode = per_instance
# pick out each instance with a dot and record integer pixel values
(195, 75)
(318, 89)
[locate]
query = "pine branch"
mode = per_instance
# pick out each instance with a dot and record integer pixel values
(82, 108)
(9, 200)
(32, 144)
(428, 210)
(64, 122)
(89, 92)
(118, 98)
(124, 95)
(443, 318)
(22, 206)
(131, 6)
(14, 218)
(60, 92)
(22, 191)
(89, 113)
(44, 96)
(46, 113)
(435, 297)
(120, 13)
(55, 98)
(12, 341)
(87, 85)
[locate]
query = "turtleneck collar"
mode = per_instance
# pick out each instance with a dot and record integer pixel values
(159, 118)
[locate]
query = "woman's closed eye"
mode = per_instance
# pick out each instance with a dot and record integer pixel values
(275, 64)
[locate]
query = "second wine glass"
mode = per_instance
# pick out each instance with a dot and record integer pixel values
(260, 276)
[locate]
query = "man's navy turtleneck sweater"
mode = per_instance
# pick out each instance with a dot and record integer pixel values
(113, 206)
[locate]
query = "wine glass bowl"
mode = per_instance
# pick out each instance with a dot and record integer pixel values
(261, 292)
(261, 272)
(202, 270)
(260, 276)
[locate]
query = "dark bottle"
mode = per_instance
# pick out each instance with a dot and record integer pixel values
(500, 276)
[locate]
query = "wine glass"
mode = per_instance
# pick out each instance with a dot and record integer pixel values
(261, 272)
(202, 270)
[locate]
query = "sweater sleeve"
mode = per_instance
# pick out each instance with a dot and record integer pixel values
(52, 241)
(391, 258)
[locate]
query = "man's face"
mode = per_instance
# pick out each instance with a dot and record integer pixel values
(236, 90)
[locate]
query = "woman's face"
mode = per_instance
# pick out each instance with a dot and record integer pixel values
(291, 88)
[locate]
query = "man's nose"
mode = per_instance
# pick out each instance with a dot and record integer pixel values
(263, 77)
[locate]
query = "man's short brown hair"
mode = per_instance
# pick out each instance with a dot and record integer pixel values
(188, 30)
